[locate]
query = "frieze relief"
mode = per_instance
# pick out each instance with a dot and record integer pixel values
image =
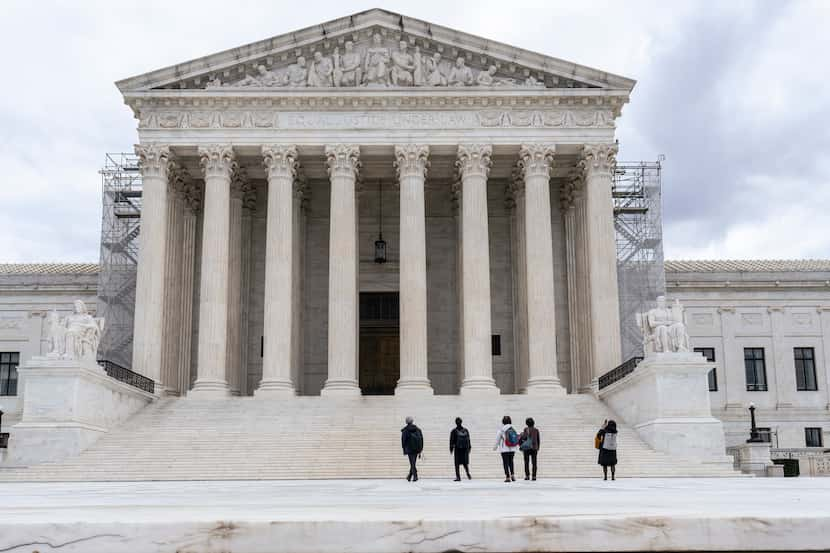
(378, 59)
(267, 119)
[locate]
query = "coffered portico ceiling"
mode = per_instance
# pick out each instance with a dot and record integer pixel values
(369, 63)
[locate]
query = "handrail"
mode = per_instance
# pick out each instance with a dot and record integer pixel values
(617, 374)
(125, 375)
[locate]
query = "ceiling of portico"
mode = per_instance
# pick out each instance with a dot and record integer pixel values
(462, 59)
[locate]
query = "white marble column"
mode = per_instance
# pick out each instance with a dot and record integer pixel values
(152, 256)
(569, 217)
(597, 163)
(218, 165)
(519, 256)
(234, 353)
(583, 299)
(343, 163)
(281, 167)
(192, 205)
(249, 202)
(173, 280)
(411, 163)
(474, 167)
(535, 163)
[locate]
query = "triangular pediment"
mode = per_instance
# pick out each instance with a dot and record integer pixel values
(366, 50)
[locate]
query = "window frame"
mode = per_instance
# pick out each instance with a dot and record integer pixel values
(755, 385)
(818, 432)
(712, 377)
(802, 384)
(9, 363)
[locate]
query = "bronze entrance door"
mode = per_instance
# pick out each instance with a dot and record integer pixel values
(379, 343)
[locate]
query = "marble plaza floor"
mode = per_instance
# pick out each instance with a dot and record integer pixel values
(740, 514)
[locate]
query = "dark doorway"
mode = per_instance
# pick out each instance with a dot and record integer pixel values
(380, 358)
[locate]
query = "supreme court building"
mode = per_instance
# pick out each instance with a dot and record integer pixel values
(376, 205)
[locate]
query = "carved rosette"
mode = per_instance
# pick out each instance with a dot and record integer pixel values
(411, 160)
(474, 160)
(280, 161)
(598, 159)
(153, 159)
(217, 160)
(535, 160)
(343, 160)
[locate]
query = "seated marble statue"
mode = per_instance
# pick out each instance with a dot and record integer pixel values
(664, 329)
(82, 334)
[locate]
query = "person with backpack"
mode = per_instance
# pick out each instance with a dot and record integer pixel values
(606, 442)
(507, 443)
(460, 446)
(529, 445)
(412, 442)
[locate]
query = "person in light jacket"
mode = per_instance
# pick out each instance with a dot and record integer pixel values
(507, 450)
(608, 448)
(529, 443)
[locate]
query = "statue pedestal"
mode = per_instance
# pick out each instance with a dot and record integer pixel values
(666, 399)
(67, 406)
(755, 458)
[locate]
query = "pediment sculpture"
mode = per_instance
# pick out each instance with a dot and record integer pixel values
(664, 328)
(376, 65)
(74, 337)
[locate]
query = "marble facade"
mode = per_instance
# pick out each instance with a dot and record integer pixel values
(260, 178)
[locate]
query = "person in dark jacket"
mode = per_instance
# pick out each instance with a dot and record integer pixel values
(607, 436)
(460, 446)
(412, 442)
(529, 443)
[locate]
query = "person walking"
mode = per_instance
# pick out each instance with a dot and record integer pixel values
(507, 443)
(460, 446)
(412, 442)
(529, 445)
(607, 441)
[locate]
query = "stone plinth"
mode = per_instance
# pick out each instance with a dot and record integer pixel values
(666, 399)
(67, 406)
(754, 458)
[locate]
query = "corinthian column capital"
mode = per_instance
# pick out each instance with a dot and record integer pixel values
(217, 160)
(280, 160)
(343, 160)
(153, 159)
(474, 160)
(411, 160)
(535, 160)
(598, 159)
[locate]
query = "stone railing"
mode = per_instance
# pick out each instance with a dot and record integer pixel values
(617, 374)
(125, 375)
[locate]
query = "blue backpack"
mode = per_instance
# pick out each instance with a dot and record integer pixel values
(511, 438)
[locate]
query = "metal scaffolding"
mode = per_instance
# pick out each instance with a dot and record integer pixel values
(639, 231)
(121, 193)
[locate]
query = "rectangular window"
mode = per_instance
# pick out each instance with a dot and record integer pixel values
(765, 433)
(709, 354)
(496, 344)
(8, 372)
(805, 369)
(756, 370)
(812, 437)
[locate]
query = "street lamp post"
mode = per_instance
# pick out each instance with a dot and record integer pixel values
(754, 435)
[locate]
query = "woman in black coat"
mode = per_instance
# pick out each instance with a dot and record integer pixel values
(607, 436)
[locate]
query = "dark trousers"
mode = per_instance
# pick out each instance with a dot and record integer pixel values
(507, 461)
(462, 458)
(530, 458)
(413, 471)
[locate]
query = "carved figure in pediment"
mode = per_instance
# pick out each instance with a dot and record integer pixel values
(297, 73)
(433, 71)
(216, 82)
(534, 82)
(321, 71)
(376, 67)
(460, 75)
(418, 71)
(262, 78)
(403, 65)
(350, 72)
(488, 77)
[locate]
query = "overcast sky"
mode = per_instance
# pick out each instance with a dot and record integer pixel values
(735, 94)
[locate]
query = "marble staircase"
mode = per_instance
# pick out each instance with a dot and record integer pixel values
(323, 438)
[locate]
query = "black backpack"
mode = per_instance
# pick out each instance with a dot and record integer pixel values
(415, 441)
(462, 439)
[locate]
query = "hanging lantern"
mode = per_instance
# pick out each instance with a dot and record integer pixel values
(380, 243)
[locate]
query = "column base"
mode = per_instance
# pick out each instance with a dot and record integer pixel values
(546, 385)
(341, 388)
(414, 387)
(275, 389)
(479, 386)
(209, 389)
